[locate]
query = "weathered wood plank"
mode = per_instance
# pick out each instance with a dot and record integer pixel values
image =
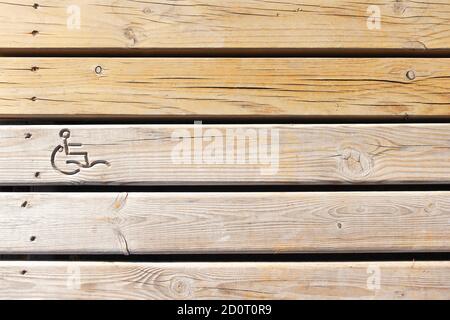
(225, 154)
(146, 223)
(232, 24)
(343, 280)
(156, 87)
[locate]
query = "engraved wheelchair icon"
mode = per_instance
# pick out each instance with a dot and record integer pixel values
(66, 150)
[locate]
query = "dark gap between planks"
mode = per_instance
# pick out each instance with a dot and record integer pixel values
(226, 120)
(230, 188)
(226, 52)
(276, 257)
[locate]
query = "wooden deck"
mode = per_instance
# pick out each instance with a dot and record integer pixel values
(140, 130)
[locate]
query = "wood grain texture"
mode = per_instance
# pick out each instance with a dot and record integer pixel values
(344, 280)
(149, 223)
(224, 24)
(227, 154)
(218, 87)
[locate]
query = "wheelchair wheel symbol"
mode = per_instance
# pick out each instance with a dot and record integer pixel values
(66, 150)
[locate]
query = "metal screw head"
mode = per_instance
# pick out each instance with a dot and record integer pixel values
(98, 70)
(411, 75)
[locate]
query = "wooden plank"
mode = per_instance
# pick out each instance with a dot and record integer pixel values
(225, 154)
(149, 223)
(205, 87)
(341, 280)
(228, 24)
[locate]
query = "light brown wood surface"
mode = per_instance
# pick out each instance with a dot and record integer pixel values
(227, 154)
(343, 280)
(223, 87)
(224, 24)
(265, 222)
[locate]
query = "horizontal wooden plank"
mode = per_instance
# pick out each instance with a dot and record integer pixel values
(227, 24)
(343, 280)
(148, 223)
(203, 87)
(225, 154)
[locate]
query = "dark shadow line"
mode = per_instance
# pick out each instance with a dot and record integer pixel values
(226, 52)
(318, 257)
(222, 120)
(231, 188)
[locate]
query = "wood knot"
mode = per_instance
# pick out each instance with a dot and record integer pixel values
(430, 208)
(354, 164)
(120, 201)
(130, 35)
(399, 7)
(181, 287)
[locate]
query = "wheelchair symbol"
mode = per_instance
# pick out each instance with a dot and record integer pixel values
(66, 148)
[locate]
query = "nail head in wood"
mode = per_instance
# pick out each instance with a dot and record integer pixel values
(98, 70)
(411, 75)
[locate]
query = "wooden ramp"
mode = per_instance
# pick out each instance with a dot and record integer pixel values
(138, 133)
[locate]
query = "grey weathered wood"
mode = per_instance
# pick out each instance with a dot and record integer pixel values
(339, 280)
(145, 223)
(307, 154)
